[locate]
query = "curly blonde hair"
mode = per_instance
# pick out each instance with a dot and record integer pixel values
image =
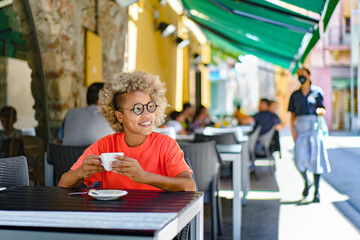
(128, 82)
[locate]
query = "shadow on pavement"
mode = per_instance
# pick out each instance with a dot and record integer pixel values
(261, 214)
(345, 167)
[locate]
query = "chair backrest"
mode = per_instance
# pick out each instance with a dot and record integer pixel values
(14, 172)
(265, 140)
(187, 160)
(213, 131)
(12, 147)
(223, 138)
(253, 138)
(34, 149)
(205, 162)
(170, 131)
(63, 157)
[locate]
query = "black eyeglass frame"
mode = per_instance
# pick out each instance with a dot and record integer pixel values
(143, 107)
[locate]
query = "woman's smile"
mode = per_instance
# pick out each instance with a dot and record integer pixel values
(146, 123)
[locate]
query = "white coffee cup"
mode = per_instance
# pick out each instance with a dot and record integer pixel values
(107, 158)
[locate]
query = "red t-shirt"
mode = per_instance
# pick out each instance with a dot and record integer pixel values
(158, 154)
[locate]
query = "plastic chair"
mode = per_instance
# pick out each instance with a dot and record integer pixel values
(63, 157)
(253, 137)
(213, 131)
(265, 140)
(170, 131)
(206, 161)
(221, 138)
(14, 172)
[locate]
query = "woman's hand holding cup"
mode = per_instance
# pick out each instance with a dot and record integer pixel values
(90, 166)
(109, 159)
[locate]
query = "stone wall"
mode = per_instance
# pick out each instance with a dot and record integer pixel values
(60, 27)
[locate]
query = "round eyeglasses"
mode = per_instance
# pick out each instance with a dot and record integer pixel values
(138, 108)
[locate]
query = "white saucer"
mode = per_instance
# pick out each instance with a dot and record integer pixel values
(107, 194)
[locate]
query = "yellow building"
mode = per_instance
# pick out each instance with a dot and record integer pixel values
(150, 48)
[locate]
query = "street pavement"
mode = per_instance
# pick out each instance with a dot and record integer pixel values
(336, 216)
(276, 210)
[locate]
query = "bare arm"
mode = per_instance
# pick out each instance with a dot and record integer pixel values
(278, 126)
(292, 126)
(74, 178)
(246, 120)
(130, 167)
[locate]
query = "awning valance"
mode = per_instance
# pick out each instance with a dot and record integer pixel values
(281, 32)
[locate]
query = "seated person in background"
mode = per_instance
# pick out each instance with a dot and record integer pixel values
(133, 103)
(10, 137)
(188, 112)
(238, 114)
(275, 143)
(264, 105)
(201, 118)
(244, 119)
(263, 118)
(273, 106)
(8, 117)
(84, 126)
(176, 119)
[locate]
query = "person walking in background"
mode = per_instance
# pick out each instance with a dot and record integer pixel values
(305, 105)
(84, 126)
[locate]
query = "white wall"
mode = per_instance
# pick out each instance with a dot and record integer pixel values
(19, 92)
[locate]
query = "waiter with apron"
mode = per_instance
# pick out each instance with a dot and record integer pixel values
(305, 105)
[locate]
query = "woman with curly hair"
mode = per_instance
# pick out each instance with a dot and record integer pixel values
(133, 103)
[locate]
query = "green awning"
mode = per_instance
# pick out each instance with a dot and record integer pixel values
(12, 43)
(277, 34)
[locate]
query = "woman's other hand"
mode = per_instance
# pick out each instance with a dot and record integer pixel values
(129, 167)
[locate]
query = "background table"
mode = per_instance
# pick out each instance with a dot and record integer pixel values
(246, 129)
(49, 213)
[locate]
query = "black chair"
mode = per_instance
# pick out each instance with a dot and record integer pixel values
(14, 172)
(205, 162)
(62, 157)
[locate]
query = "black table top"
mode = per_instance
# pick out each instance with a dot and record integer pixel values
(57, 199)
(45, 200)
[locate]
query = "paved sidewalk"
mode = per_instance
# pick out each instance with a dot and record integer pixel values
(274, 210)
(324, 220)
